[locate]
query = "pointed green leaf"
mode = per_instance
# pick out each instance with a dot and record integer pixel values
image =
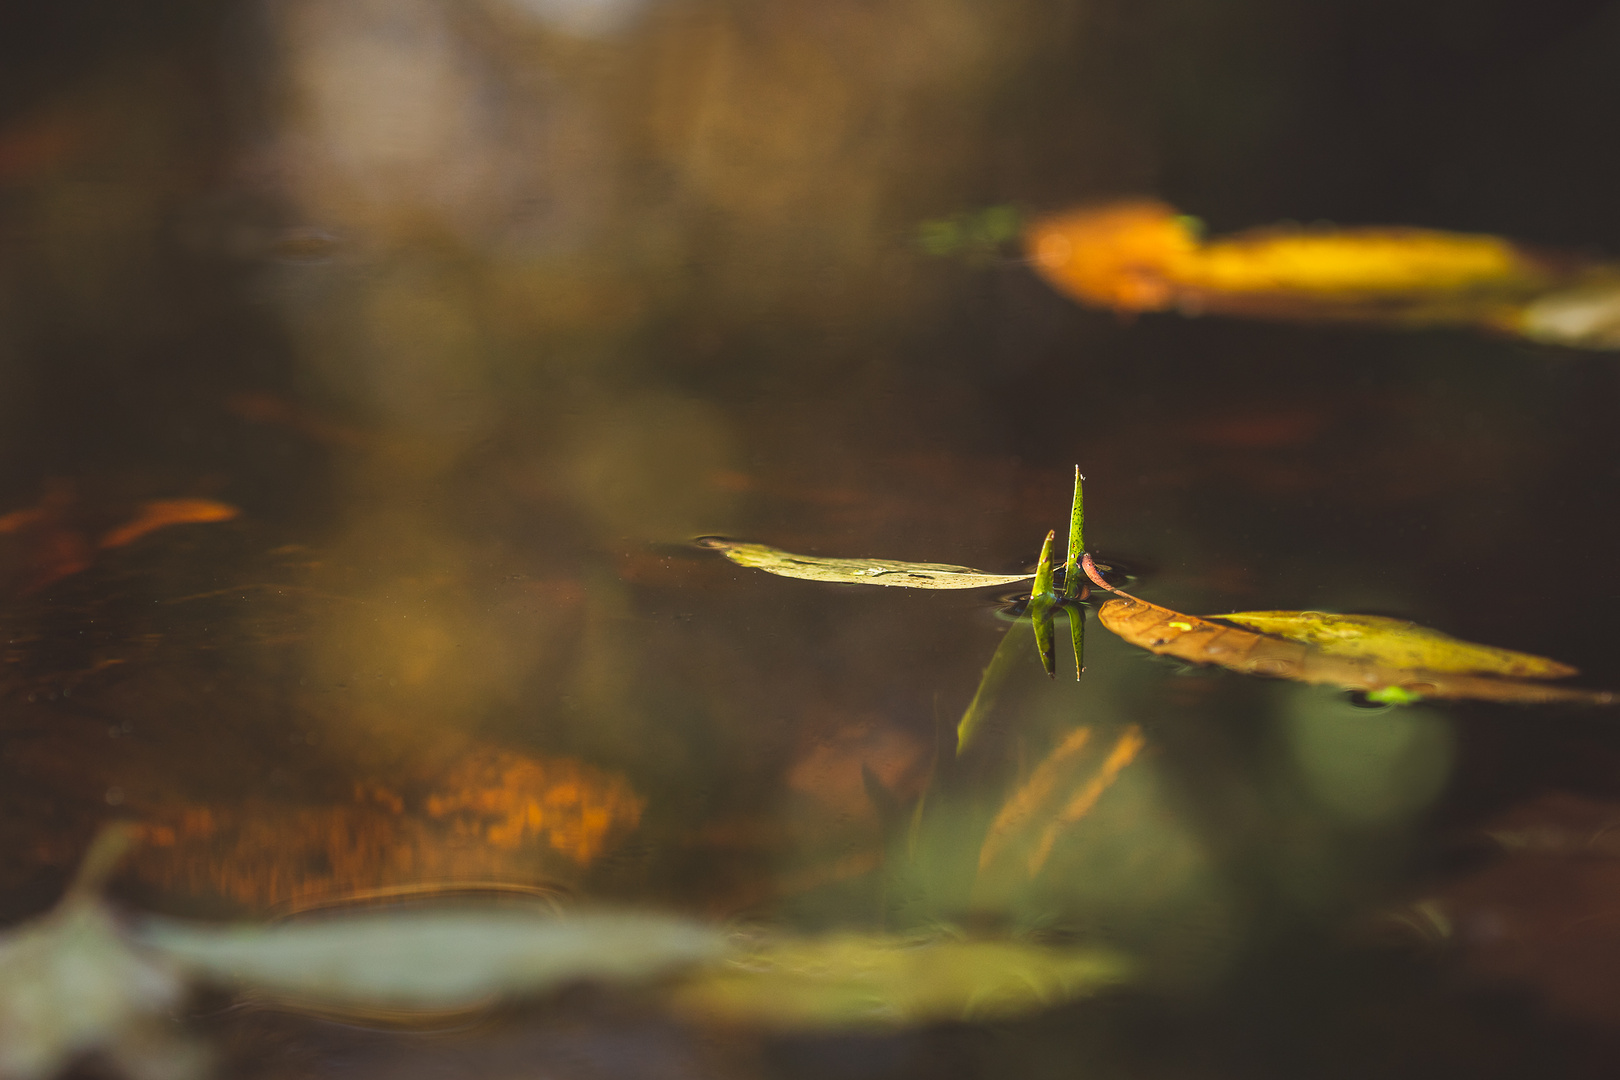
(1077, 539)
(1042, 604)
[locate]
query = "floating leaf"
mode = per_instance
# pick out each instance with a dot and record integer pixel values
(1585, 316)
(906, 575)
(1199, 641)
(431, 960)
(877, 982)
(1396, 643)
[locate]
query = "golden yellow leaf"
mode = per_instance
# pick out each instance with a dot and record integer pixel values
(1396, 643)
(1140, 255)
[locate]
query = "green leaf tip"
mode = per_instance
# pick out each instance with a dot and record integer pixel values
(1077, 539)
(1394, 695)
(1043, 603)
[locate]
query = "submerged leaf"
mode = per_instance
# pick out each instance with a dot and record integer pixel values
(877, 982)
(1052, 799)
(906, 575)
(431, 960)
(1397, 643)
(1199, 641)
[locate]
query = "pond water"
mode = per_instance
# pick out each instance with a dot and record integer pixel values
(457, 323)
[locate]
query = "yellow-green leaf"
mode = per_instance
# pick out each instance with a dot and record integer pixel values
(905, 575)
(875, 982)
(1396, 643)
(1199, 641)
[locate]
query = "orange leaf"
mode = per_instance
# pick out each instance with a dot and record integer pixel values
(160, 513)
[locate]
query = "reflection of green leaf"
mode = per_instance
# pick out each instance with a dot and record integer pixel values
(907, 575)
(435, 960)
(1077, 637)
(1397, 643)
(868, 981)
(990, 683)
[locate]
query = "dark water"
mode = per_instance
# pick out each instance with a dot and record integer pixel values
(479, 313)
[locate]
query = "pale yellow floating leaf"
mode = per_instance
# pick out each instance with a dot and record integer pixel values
(1396, 643)
(905, 575)
(859, 981)
(1585, 316)
(431, 960)
(1199, 641)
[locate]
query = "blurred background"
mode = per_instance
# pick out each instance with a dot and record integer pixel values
(467, 316)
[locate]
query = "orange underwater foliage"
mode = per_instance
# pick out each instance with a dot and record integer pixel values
(496, 817)
(510, 800)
